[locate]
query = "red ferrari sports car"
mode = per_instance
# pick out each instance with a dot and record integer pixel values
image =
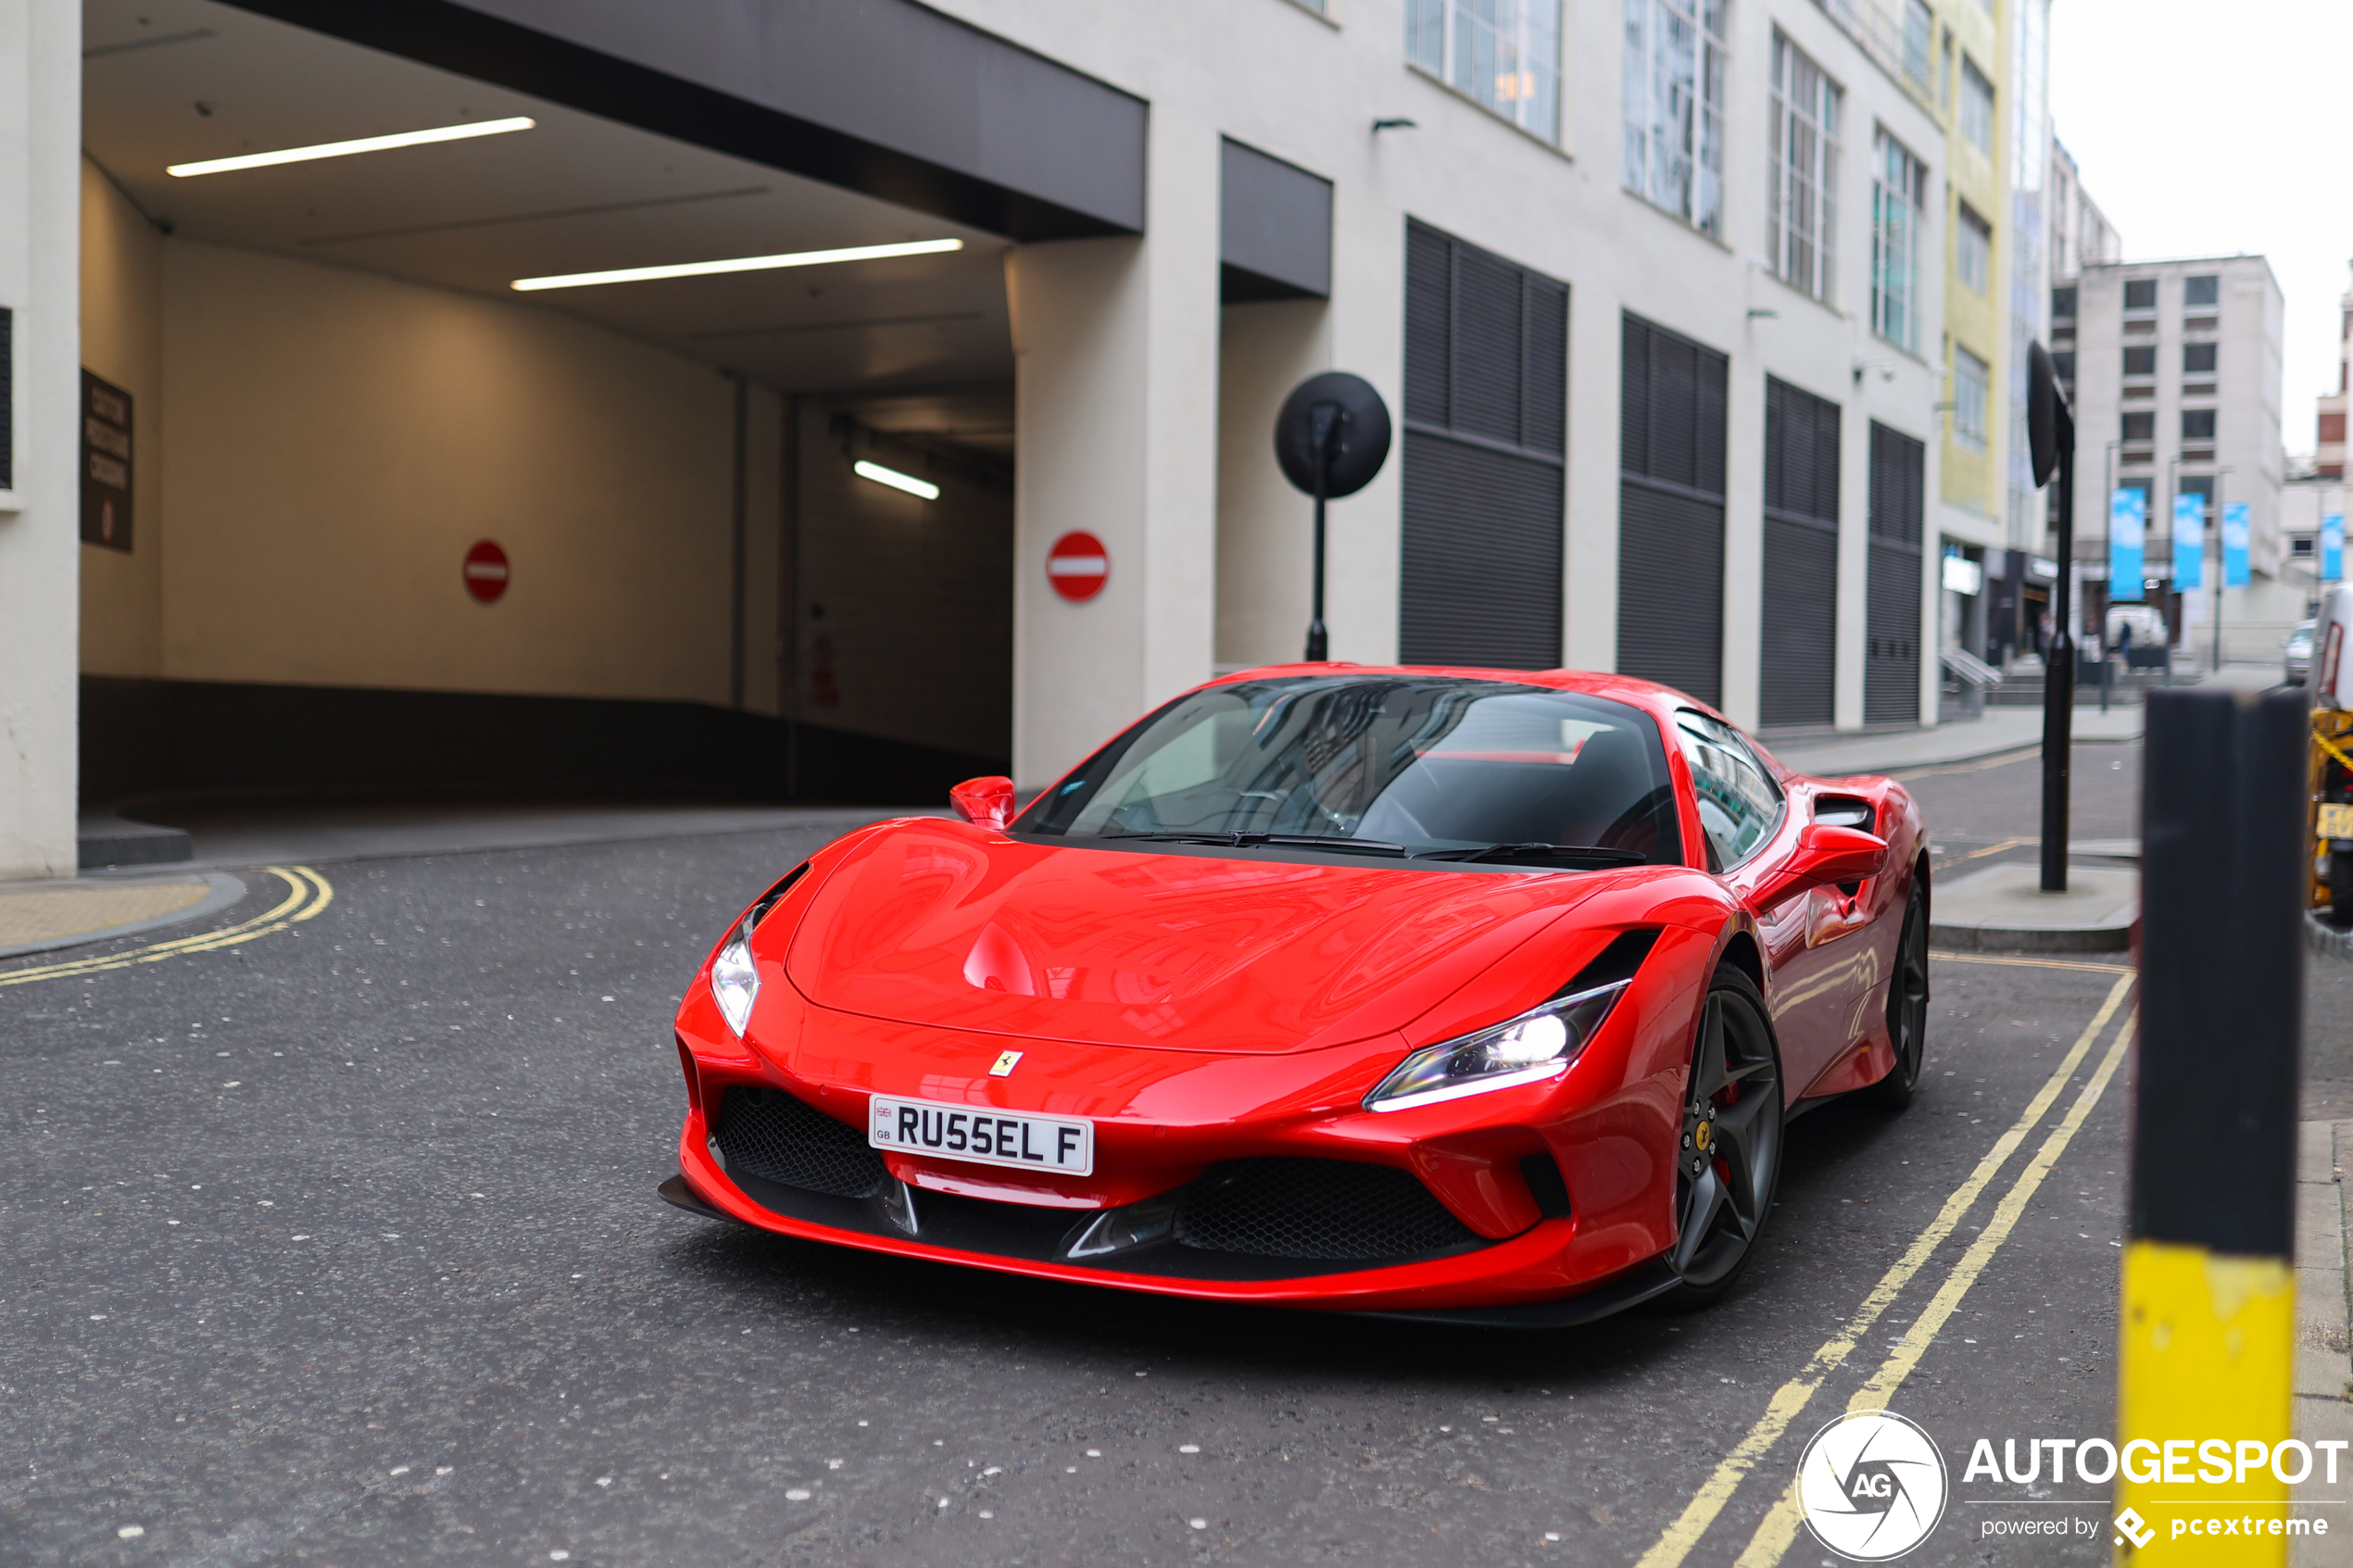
(1468, 994)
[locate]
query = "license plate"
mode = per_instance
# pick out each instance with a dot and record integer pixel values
(1063, 1145)
(2336, 821)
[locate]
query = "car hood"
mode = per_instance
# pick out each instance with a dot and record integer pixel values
(943, 923)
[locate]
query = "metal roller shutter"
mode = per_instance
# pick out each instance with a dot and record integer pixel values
(1799, 651)
(1670, 521)
(1486, 398)
(1892, 621)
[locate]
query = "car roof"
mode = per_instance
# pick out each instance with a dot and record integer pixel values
(1630, 689)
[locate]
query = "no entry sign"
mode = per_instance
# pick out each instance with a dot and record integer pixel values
(1079, 566)
(486, 571)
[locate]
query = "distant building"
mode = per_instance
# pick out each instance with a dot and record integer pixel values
(2327, 452)
(2081, 234)
(2173, 367)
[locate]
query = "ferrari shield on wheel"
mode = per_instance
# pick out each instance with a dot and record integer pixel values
(1730, 1157)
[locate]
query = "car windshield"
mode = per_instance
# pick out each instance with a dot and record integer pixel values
(1384, 764)
(2301, 639)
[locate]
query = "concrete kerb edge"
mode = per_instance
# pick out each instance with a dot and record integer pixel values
(225, 891)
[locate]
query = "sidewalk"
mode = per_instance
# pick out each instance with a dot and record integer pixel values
(266, 832)
(1965, 740)
(2324, 1371)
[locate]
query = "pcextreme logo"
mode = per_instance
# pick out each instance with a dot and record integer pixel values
(1871, 1486)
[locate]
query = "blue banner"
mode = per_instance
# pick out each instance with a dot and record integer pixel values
(2234, 531)
(2127, 534)
(2189, 541)
(2333, 547)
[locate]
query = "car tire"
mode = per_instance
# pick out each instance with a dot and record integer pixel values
(1726, 1176)
(1907, 1008)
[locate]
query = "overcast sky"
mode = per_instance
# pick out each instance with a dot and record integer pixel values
(2206, 129)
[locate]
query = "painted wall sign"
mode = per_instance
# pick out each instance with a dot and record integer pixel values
(486, 572)
(1079, 566)
(105, 464)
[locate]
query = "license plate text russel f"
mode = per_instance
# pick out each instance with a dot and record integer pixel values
(1063, 1145)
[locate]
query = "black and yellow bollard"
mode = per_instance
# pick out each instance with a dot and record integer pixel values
(2208, 1312)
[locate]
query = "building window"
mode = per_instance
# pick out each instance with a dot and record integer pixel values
(2141, 360)
(2197, 424)
(1674, 106)
(2140, 427)
(1969, 380)
(2198, 358)
(1899, 190)
(1802, 207)
(1502, 54)
(1976, 106)
(2063, 304)
(2063, 365)
(2139, 293)
(1973, 250)
(2301, 546)
(1919, 30)
(2207, 291)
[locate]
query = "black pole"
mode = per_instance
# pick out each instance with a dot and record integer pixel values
(2222, 880)
(2058, 675)
(1326, 420)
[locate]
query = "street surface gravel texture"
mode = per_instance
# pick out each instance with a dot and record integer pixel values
(339, 1247)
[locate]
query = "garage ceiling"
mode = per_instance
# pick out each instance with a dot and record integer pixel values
(168, 81)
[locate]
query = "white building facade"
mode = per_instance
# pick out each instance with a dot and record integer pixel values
(1651, 292)
(2175, 370)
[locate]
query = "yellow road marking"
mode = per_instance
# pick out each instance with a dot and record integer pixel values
(1792, 1397)
(1941, 955)
(306, 894)
(1780, 1528)
(1994, 848)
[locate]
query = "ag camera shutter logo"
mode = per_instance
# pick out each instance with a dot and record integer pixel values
(1872, 1485)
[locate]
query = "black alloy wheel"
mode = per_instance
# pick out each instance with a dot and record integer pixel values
(1907, 1006)
(1729, 1156)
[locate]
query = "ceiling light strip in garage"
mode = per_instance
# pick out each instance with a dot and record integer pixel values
(896, 480)
(738, 264)
(345, 149)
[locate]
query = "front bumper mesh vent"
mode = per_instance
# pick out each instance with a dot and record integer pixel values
(1320, 1208)
(772, 1135)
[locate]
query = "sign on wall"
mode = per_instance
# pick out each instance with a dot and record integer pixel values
(2236, 527)
(1079, 566)
(105, 464)
(2127, 535)
(486, 572)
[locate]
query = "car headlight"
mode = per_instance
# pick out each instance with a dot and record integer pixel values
(1535, 1045)
(735, 980)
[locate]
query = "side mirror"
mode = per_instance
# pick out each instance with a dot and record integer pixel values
(1824, 855)
(985, 802)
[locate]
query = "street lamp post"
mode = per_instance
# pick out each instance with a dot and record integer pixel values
(2214, 527)
(2050, 427)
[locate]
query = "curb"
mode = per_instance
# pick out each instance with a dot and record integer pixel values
(2001, 939)
(2326, 939)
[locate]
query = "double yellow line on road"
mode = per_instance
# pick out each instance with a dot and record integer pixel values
(308, 893)
(1773, 1537)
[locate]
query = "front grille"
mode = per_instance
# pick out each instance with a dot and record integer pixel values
(772, 1135)
(1327, 1209)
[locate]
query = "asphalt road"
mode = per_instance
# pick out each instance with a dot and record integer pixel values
(339, 1247)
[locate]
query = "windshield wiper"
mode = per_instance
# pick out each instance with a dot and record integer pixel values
(1238, 840)
(1540, 852)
